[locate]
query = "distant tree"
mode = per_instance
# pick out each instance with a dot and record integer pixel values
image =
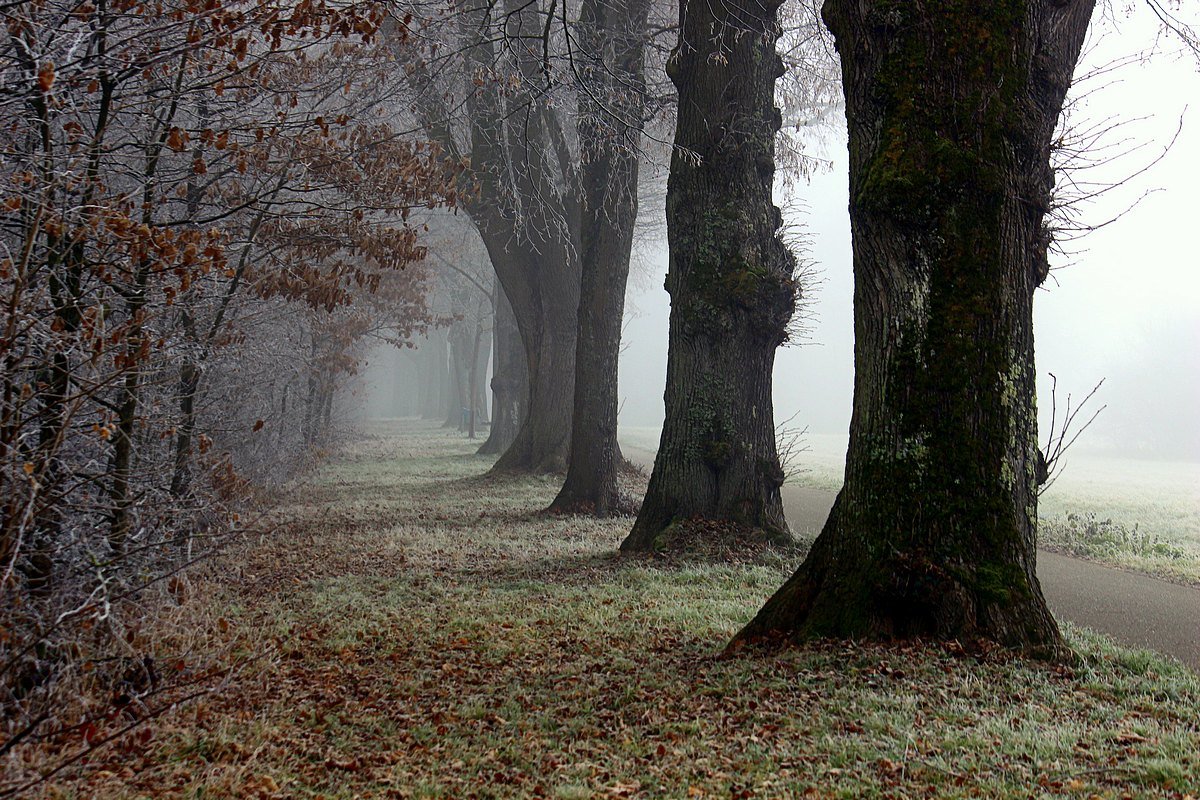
(547, 110)
(483, 97)
(510, 384)
(731, 281)
(610, 69)
(952, 109)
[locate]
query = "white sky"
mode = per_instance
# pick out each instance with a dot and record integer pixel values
(1126, 306)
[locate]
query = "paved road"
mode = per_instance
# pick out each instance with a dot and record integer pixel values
(1133, 608)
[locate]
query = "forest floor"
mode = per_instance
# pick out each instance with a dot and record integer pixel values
(416, 628)
(1142, 600)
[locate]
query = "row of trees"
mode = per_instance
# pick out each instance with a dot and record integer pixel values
(553, 119)
(952, 117)
(952, 113)
(211, 212)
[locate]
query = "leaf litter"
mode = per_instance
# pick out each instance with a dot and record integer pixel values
(418, 629)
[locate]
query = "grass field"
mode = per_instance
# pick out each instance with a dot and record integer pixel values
(420, 630)
(1139, 514)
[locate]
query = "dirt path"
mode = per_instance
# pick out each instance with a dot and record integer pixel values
(1134, 609)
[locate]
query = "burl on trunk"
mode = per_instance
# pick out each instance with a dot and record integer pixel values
(731, 283)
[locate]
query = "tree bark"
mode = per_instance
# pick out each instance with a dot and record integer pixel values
(951, 111)
(731, 284)
(510, 385)
(614, 87)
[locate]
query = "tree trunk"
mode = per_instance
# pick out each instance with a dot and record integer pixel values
(614, 85)
(541, 280)
(528, 215)
(188, 386)
(483, 355)
(510, 385)
(435, 377)
(951, 112)
(312, 398)
(731, 284)
(458, 398)
(473, 380)
(119, 491)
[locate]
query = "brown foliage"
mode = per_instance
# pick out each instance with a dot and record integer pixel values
(178, 178)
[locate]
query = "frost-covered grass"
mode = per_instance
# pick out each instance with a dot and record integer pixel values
(427, 632)
(1136, 513)
(1162, 497)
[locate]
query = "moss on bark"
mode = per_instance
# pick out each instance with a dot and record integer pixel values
(731, 285)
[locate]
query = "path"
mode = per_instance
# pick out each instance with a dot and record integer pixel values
(1133, 608)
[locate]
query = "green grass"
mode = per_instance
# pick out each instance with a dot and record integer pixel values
(428, 633)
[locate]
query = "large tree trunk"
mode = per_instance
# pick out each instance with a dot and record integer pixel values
(731, 284)
(510, 385)
(613, 32)
(951, 110)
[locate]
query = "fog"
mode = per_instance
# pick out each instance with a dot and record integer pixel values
(1122, 305)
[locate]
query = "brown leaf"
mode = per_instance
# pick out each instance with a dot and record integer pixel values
(1129, 738)
(45, 78)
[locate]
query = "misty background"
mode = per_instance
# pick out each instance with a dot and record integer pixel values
(1123, 304)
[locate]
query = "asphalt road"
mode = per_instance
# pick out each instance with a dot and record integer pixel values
(1133, 608)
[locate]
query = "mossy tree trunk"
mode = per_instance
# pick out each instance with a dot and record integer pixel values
(730, 279)
(951, 110)
(612, 108)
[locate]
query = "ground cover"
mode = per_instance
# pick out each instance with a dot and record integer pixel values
(418, 629)
(1138, 514)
